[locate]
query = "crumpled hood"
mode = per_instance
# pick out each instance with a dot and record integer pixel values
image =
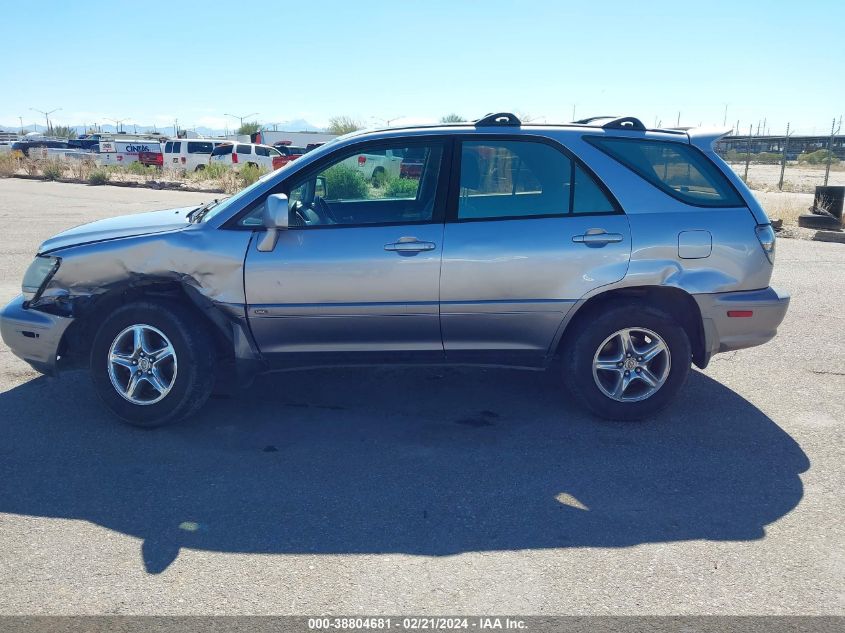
(114, 228)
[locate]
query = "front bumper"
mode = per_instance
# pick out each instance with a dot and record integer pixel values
(32, 335)
(723, 333)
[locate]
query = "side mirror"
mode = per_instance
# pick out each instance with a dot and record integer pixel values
(274, 218)
(321, 189)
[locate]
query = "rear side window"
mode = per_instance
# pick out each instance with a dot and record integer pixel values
(222, 150)
(512, 179)
(244, 149)
(682, 171)
(199, 147)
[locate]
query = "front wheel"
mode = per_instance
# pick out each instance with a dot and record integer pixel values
(628, 362)
(152, 364)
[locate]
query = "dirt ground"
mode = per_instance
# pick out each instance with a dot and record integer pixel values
(796, 179)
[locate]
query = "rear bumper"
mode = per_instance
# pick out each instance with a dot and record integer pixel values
(32, 335)
(723, 333)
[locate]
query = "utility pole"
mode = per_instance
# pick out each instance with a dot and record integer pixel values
(725, 118)
(783, 158)
(748, 152)
(573, 112)
(833, 132)
(678, 124)
(46, 116)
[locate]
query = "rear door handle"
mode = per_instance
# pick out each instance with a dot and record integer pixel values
(410, 245)
(597, 239)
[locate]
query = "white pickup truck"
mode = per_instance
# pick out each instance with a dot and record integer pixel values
(377, 167)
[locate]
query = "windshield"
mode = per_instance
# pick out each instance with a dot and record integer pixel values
(241, 195)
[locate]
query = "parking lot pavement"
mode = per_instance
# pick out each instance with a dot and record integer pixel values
(429, 490)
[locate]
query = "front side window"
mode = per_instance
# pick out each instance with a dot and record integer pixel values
(261, 151)
(177, 147)
(222, 150)
(363, 187)
(680, 170)
(168, 148)
(513, 179)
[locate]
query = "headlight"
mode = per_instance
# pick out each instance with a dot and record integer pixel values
(37, 275)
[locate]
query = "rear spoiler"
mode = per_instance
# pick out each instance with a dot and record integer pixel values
(705, 137)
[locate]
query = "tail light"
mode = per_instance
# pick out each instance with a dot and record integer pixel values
(362, 160)
(766, 236)
(159, 160)
(234, 157)
(184, 160)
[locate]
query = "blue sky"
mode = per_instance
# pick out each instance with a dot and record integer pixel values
(152, 62)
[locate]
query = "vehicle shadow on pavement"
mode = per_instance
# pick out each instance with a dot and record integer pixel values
(415, 461)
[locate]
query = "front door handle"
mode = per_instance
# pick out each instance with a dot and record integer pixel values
(409, 245)
(597, 237)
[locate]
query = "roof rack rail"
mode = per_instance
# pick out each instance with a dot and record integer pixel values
(589, 120)
(625, 123)
(499, 119)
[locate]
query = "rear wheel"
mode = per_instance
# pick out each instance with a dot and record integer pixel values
(379, 177)
(628, 362)
(152, 363)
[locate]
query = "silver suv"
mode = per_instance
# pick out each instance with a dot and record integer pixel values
(627, 252)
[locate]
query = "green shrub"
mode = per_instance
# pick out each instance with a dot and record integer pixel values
(819, 157)
(345, 183)
(212, 171)
(52, 169)
(140, 169)
(99, 176)
(401, 188)
(250, 173)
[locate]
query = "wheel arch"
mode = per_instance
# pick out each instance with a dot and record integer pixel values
(676, 302)
(90, 312)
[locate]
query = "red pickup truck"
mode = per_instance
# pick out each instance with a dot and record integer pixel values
(151, 159)
(289, 152)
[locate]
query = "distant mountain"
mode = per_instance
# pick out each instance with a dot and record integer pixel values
(295, 125)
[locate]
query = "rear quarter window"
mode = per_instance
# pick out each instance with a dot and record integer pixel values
(680, 170)
(199, 147)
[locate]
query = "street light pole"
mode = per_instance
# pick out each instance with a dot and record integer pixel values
(118, 123)
(46, 116)
(241, 118)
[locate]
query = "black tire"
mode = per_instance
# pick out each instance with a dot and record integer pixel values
(379, 177)
(587, 336)
(200, 167)
(191, 341)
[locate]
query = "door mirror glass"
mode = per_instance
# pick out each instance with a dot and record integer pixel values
(321, 189)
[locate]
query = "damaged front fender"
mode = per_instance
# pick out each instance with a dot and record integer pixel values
(203, 264)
